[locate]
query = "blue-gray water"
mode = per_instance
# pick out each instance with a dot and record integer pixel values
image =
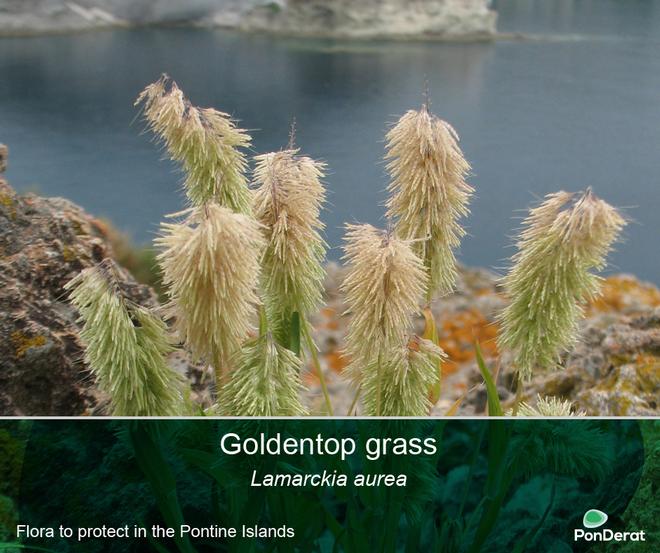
(576, 105)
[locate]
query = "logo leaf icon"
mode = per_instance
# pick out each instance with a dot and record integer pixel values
(594, 518)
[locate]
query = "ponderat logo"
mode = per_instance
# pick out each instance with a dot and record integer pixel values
(593, 519)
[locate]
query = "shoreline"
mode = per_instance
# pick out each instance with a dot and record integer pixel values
(483, 38)
(127, 26)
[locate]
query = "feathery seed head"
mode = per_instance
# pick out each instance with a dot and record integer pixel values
(206, 142)
(548, 407)
(210, 265)
(563, 239)
(287, 202)
(384, 285)
(428, 191)
(401, 387)
(125, 347)
(265, 383)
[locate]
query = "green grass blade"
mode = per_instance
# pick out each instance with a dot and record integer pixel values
(494, 406)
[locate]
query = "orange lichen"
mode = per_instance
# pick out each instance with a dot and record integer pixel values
(22, 343)
(337, 362)
(458, 334)
(622, 292)
(331, 318)
(310, 378)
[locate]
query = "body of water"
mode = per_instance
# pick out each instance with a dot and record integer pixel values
(575, 104)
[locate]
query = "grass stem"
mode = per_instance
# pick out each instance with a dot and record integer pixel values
(317, 366)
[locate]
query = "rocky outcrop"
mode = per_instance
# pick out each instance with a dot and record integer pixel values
(3, 158)
(26, 17)
(614, 369)
(44, 242)
(437, 19)
(442, 19)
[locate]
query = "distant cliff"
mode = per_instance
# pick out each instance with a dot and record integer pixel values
(441, 19)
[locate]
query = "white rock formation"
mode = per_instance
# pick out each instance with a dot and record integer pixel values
(438, 19)
(441, 19)
(18, 17)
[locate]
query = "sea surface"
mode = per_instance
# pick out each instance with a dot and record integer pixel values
(571, 99)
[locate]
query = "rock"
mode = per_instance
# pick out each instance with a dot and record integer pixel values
(44, 242)
(26, 17)
(447, 19)
(438, 19)
(613, 371)
(4, 155)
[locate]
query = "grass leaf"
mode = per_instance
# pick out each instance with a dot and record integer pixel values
(494, 406)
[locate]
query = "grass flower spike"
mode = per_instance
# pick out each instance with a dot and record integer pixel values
(126, 347)
(428, 192)
(210, 265)
(206, 142)
(383, 286)
(548, 407)
(404, 381)
(265, 382)
(562, 241)
(287, 202)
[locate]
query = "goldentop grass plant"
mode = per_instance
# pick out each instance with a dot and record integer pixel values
(211, 264)
(239, 255)
(265, 381)
(384, 286)
(563, 240)
(547, 407)
(428, 192)
(126, 347)
(206, 142)
(288, 200)
(400, 386)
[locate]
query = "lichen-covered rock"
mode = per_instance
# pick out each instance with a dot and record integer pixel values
(44, 242)
(3, 158)
(615, 368)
